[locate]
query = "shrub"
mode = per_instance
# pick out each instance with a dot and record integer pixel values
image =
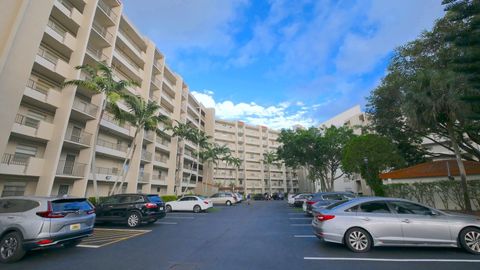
(168, 198)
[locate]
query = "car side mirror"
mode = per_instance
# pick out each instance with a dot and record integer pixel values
(433, 213)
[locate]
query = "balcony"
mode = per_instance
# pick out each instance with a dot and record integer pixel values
(116, 150)
(14, 164)
(87, 110)
(113, 16)
(68, 11)
(27, 126)
(61, 35)
(146, 156)
(162, 143)
(158, 180)
(129, 63)
(131, 44)
(52, 63)
(156, 83)
(103, 32)
(143, 177)
(96, 54)
(161, 160)
(43, 92)
(149, 135)
(108, 121)
(78, 138)
(165, 112)
(71, 169)
(107, 174)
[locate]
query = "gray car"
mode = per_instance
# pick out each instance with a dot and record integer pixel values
(375, 221)
(28, 223)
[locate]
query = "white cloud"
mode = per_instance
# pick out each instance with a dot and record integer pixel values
(283, 115)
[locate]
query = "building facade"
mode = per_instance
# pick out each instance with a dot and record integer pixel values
(249, 143)
(47, 134)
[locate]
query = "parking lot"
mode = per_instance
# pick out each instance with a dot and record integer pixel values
(264, 235)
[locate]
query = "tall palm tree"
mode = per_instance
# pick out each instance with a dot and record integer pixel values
(100, 80)
(183, 131)
(141, 114)
(233, 161)
(269, 158)
(214, 153)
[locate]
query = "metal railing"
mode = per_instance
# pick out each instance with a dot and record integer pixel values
(108, 171)
(102, 31)
(96, 53)
(15, 159)
(39, 86)
(78, 137)
(111, 145)
(47, 55)
(130, 40)
(162, 141)
(67, 5)
(85, 107)
(161, 158)
(108, 10)
(66, 167)
(129, 61)
(109, 118)
(57, 29)
(27, 121)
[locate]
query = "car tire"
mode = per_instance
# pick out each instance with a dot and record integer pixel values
(11, 247)
(470, 240)
(168, 209)
(228, 203)
(72, 243)
(197, 209)
(358, 240)
(134, 219)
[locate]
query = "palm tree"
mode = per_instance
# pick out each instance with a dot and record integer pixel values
(142, 115)
(100, 80)
(233, 161)
(269, 158)
(213, 153)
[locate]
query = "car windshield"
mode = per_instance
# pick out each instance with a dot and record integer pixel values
(71, 205)
(333, 205)
(201, 197)
(154, 198)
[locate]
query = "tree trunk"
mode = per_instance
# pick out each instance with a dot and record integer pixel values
(122, 170)
(129, 157)
(95, 138)
(178, 180)
(461, 168)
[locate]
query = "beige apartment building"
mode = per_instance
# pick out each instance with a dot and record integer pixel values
(249, 143)
(46, 139)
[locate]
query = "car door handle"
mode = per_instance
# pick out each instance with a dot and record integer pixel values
(406, 221)
(366, 219)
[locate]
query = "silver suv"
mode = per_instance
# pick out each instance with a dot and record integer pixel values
(28, 223)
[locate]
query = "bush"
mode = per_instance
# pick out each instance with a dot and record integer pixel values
(168, 198)
(94, 201)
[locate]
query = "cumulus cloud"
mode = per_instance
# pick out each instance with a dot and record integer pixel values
(283, 115)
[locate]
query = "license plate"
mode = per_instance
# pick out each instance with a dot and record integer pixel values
(161, 208)
(75, 227)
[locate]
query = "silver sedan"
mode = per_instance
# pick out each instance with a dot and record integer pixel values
(375, 221)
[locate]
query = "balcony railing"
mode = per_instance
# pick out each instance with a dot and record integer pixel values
(161, 158)
(27, 121)
(115, 146)
(58, 29)
(144, 177)
(129, 61)
(47, 55)
(135, 46)
(149, 135)
(67, 167)
(96, 53)
(109, 118)
(40, 86)
(15, 159)
(107, 171)
(102, 31)
(146, 155)
(78, 137)
(108, 10)
(162, 141)
(85, 107)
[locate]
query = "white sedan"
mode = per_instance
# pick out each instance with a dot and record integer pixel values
(189, 203)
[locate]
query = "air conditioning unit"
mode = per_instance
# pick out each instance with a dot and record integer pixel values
(108, 177)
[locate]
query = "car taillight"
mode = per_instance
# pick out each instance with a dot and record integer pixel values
(151, 205)
(44, 242)
(322, 217)
(205, 202)
(49, 213)
(310, 202)
(89, 212)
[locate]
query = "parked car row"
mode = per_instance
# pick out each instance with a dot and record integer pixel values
(362, 223)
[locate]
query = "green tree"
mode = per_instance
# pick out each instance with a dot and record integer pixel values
(99, 80)
(141, 114)
(369, 155)
(269, 158)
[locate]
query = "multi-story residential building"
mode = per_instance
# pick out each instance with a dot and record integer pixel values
(47, 134)
(249, 143)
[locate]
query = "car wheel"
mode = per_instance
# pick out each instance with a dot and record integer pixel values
(72, 243)
(11, 248)
(358, 240)
(133, 220)
(228, 203)
(470, 240)
(197, 209)
(168, 208)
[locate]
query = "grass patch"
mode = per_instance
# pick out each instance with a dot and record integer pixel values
(297, 209)
(213, 210)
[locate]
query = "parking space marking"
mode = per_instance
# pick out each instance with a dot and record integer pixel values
(303, 218)
(180, 217)
(308, 224)
(166, 223)
(390, 259)
(304, 236)
(103, 236)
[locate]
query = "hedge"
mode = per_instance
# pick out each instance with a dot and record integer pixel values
(168, 198)
(448, 191)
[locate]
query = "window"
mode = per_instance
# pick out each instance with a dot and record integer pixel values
(184, 199)
(112, 200)
(332, 197)
(379, 207)
(216, 195)
(13, 189)
(23, 152)
(71, 205)
(17, 205)
(407, 208)
(63, 190)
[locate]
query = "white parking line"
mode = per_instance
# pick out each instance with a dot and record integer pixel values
(122, 230)
(304, 218)
(166, 223)
(88, 246)
(301, 224)
(180, 217)
(389, 260)
(304, 236)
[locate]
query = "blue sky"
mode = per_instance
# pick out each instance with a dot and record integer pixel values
(281, 62)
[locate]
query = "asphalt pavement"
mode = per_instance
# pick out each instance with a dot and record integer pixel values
(264, 235)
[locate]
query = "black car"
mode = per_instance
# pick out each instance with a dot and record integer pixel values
(132, 209)
(324, 199)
